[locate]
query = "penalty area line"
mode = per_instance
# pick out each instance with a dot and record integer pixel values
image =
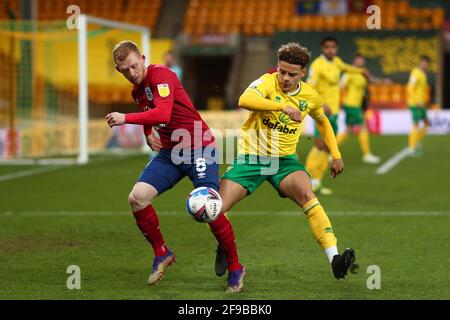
(392, 162)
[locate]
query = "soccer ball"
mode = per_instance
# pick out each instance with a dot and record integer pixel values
(204, 204)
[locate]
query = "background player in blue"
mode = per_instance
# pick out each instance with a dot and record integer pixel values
(184, 150)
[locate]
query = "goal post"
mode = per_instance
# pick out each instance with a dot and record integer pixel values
(83, 104)
(57, 84)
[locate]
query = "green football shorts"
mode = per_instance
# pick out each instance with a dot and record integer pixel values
(418, 113)
(250, 171)
(334, 123)
(353, 116)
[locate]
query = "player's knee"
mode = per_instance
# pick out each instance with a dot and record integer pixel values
(304, 197)
(138, 199)
(132, 199)
(309, 196)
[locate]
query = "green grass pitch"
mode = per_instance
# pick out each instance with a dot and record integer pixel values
(79, 216)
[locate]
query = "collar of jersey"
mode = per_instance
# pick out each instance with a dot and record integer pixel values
(290, 94)
(326, 59)
(294, 93)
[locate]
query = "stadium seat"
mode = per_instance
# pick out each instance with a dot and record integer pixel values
(374, 92)
(353, 22)
(280, 15)
(397, 93)
(342, 23)
(437, 18)
(13, 6)
(110, 9)
(306, 23)
(330, 23)
(384, 93)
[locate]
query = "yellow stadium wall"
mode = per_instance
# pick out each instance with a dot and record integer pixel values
(158, 48)
(56, 54)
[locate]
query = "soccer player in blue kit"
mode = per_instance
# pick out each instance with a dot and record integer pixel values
(186, 148)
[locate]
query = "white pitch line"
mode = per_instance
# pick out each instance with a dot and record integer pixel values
(233, 213)
(27, 173)
(69, 163)
(392, 162)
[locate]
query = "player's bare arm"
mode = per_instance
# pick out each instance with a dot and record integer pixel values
(377, 80)
(326, 131)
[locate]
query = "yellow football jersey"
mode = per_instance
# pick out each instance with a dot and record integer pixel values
(324, 76)
(273, 133)
(417, 88)
(355, 85)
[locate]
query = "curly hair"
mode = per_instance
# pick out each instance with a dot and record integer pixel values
(294, 53)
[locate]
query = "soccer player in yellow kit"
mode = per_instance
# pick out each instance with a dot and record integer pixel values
(416, 99)
(355, 86)
(278, 103)
(324, 76)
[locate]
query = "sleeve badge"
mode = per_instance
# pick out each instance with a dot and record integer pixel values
(163, 90)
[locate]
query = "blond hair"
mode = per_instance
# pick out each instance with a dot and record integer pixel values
(294, 53)
(123, 49)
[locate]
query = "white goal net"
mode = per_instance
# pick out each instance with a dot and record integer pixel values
(56, 86)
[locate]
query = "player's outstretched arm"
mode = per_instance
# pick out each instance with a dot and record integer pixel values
(327, 133)
(350, 68)
(163, 87)
(161, 114)
(252, 100)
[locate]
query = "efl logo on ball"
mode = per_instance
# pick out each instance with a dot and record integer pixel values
(204, 204)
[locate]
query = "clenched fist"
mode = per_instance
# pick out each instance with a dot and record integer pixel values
(115, 119)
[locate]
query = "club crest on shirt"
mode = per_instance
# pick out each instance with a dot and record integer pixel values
(284, 118)
(149, 93)
(303, 105)
(163, 90)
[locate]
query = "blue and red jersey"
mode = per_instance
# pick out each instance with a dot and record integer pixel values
(165, 105)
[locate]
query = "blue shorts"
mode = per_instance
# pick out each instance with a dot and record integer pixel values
(166, 169)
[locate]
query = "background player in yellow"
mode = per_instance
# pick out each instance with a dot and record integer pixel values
(324, 76)
(278, 103)
(417, 93)
(355, 87)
